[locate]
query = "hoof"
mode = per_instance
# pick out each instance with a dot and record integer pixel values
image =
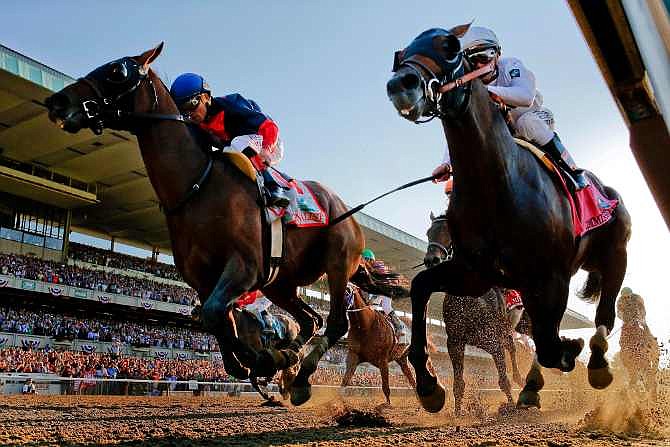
(434, 401)
(272, 402)
(300, 395)
(528, 399)
(600, 378)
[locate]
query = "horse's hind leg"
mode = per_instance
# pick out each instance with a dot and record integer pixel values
(457, 356)
(287, 298)
(511, 347)
(498, 355)
(336, 327)
(384, 371)
(613, 272)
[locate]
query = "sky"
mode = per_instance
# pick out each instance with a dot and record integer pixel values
(320, 68)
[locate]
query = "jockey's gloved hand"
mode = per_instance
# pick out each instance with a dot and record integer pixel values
(442, 173)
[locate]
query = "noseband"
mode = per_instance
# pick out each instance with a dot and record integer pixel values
(435, 88)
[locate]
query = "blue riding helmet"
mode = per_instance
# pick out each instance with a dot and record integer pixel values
(186, 86)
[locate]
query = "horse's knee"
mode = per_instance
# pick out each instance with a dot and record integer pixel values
(213, 315)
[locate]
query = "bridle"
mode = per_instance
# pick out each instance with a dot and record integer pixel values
(349, 295)
(452, 82)
(447, 252)
(107, 107)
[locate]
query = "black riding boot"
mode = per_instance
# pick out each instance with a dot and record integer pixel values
(275, 192)
(555, 149)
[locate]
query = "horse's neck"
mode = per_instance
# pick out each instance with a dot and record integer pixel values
(361, 312)
(481, 150)
(172, 157)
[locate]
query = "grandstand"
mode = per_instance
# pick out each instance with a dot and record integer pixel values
(53, 184)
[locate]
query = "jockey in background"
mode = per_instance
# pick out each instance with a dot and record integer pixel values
(258, 305)
(381, 302)
(234, 121)
(514, 85)
(514, 307)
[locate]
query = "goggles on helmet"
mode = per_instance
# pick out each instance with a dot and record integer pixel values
(191, 103)
(483, 56)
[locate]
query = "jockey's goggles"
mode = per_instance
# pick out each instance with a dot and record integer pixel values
(482, 57)
(191, 103)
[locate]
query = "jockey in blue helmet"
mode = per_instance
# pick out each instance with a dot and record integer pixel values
(236, 121)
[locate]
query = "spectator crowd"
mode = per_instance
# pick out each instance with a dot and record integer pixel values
(58, 273)
(65, 327)
(108, 258)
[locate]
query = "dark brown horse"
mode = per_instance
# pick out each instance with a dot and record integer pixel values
(639, 348)
(509, 219)
(250, 332)
(214, 218)
(476, 321)
(372, 339)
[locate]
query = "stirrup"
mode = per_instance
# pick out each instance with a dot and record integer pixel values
(278, 200)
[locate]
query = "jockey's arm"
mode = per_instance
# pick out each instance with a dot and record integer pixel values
(443, 170)
(520, 90)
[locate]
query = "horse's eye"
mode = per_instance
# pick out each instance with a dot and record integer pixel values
(117, 73)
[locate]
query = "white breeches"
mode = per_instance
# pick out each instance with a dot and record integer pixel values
(536, 126)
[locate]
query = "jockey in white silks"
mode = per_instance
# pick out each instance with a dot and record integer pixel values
(514, 85)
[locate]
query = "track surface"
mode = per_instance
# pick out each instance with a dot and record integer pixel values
(230, 421)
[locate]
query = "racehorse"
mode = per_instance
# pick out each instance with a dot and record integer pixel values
(639, 348)
(372, 339)
(214, 219)
(251, 332)
(510, 220)
(476, 321)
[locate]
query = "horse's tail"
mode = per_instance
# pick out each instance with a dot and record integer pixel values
(389, 284)
(590, 293)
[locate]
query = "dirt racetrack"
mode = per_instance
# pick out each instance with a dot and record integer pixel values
(240, 421)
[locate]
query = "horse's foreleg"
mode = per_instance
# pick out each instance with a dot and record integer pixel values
(407, 371)
(457, 357)
(216, 316)
(430, 392)
(530, 395)
(352, 364)
(546, 307)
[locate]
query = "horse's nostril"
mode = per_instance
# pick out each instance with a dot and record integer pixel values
(57, 101)
(410, 81)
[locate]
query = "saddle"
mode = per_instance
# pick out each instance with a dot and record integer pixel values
(303, 211)
(591, 208)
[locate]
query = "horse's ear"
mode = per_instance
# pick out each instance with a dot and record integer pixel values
(451, 46)
(432, 216)
(460, 30)
(146, 58)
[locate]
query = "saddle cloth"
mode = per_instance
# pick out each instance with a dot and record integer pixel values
(590, 206)
(304, 210)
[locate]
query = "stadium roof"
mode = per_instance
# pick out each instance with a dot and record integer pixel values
(103, 178)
